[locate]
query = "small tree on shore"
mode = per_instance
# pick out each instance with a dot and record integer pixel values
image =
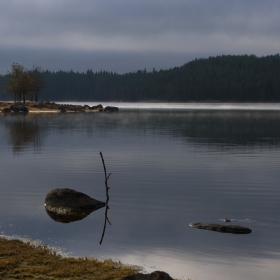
(11, 77)
(20, 82)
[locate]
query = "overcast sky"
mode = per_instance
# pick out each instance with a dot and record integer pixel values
(128, 35)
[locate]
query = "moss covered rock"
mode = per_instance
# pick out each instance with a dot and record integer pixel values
(67, 199)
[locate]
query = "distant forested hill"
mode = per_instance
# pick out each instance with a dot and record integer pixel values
(222, 78)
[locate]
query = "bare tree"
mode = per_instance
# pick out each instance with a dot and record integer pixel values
(38, 79)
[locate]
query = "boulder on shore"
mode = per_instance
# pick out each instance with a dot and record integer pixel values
(222, 228)
(111, 109)
(98, 107)
(156, 275)
(6, 110)
(69, 200)
(19, 107)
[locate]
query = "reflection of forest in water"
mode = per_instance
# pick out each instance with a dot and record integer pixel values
(228, 128)
(245, 128)
(23, 132)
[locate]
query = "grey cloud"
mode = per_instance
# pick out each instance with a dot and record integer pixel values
(135, 17)
(176, 28)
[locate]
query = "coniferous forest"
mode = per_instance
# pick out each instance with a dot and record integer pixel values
(227, 78)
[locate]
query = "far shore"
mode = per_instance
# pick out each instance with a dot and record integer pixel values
(51, 107)
(114, 106)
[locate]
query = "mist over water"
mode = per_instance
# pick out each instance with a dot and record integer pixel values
(184, 106)
(170, 167)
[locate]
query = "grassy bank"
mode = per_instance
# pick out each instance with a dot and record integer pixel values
(19, 260)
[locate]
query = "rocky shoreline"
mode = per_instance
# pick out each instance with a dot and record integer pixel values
(36, 107)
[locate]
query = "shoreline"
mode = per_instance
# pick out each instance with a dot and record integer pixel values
(114, 106)
(52, 107)
(24, 258)
(27, 258)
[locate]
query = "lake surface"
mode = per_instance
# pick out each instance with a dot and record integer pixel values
(171, 165)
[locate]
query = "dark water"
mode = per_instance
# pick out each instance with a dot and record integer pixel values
(169, 168)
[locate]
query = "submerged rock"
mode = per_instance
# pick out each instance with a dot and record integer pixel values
(67, 200)
(156, 275)
(222, 228)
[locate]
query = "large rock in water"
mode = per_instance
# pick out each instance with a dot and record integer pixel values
(69, 200)
(222, 228)
(156, 275)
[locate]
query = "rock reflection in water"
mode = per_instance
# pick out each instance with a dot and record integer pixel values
(62, 215)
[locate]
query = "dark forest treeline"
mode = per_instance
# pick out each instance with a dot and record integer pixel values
(223, 78)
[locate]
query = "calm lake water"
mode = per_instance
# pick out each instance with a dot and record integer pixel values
(171, 165)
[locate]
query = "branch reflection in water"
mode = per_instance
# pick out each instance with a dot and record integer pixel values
(107, 199)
